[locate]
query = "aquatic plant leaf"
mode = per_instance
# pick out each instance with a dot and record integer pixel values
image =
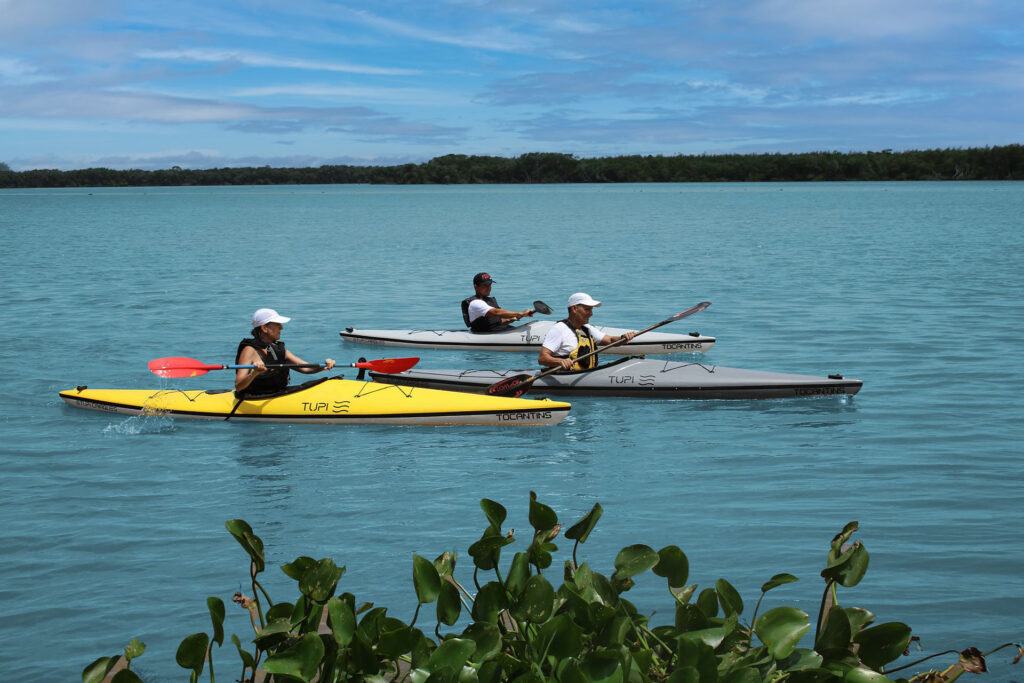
(859, 618)
(445, 563)
(396, 638)
(301, 660)
(560, 637)
(837, 542)
(849, 567)
(580, 531)
(319, 581)
(487, 638)
(216, 607)
(273, 633)
(537, 601)
(603, 666)
(490, 600)
(570, 670)
(682, 594)
(281, 611)
(136, 647)
(862, 674)
(250, 542)
(881, 644)
(192, 652)
(518, 574)
(778, 580)
(633, 560)
(542, 518)
(707, 602)
(672, 565)
(685, 674)
(729, 598)
(495, 513)
(98, 670)
(247, 659)
(125, 676)
(297, 567)
(745, 675)
(486, 552)
(425, 579)
(835, 633)
(780, 629)
(451, 654)
(342, 621)
(802, 658)
(690, 618)
(449, 606)
(695, 653)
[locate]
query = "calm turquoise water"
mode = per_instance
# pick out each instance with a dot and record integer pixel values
(113, 527)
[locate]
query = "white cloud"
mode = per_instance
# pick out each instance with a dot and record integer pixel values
(226, 56)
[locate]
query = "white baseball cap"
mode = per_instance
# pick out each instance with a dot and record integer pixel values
(581, 298)
(267, 315)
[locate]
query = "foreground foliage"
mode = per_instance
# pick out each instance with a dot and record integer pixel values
(522, 628)
(977, 163)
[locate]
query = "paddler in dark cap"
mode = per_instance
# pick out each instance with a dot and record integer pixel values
(481, 311)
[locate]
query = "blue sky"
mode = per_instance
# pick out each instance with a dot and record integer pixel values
(210, 83)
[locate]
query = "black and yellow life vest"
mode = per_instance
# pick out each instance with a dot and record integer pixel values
(584, 344)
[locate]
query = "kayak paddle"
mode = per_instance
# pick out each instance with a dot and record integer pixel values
(190, 367)
(517, 385)
(541, 307)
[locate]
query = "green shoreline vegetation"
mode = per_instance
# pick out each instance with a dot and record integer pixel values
(522, 628)
(980, 163)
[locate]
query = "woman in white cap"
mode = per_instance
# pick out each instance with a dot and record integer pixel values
(573, 337)
(266, 348)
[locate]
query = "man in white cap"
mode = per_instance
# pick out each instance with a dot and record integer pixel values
(573, 337)
(266, 348)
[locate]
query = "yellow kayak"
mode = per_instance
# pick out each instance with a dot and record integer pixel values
(327, 401)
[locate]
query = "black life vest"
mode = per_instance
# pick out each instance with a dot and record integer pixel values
(585, 343)
(485, 323)
(274, 380)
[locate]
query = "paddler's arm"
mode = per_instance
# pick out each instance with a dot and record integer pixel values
(610, 338)
(509, 316)
(292, 358)
(245, 376)
(549, 360)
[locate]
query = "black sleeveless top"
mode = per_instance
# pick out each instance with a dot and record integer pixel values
(274, 380)
(485, 323)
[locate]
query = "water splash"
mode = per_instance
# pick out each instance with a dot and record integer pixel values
(140, 424)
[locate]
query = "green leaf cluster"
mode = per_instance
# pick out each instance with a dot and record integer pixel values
(525, 622)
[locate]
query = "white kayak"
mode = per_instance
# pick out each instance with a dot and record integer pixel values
(526, 337)
(640, 378)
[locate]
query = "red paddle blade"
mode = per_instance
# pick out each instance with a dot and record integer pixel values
(180, 367)
(511, 387)
(388, 366)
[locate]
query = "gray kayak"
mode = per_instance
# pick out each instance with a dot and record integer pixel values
(527, 337)
(640, 378)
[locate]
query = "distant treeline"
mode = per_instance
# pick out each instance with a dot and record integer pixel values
(985, 163)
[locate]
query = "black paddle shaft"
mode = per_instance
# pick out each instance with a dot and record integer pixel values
(517, 385)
